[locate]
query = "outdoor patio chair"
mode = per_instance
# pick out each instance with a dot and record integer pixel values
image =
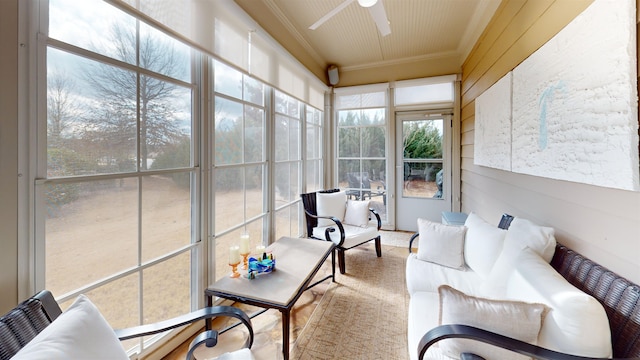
(359, 185)
(331, 217)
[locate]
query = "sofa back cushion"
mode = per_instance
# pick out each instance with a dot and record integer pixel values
(527, 234)
(576, 323)
(482, 245)
(522, 234)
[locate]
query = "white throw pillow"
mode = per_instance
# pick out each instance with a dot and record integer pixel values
(482, 245)
(522, 234)
(357, 213)
(441, 244)
(331, 204)
(515, 319)
(81, 332)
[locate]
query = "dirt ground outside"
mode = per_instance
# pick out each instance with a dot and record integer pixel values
(98, 235)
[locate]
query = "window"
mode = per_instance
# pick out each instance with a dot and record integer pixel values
(362, 142)
(115, 209)
(314, 144)
(118, 202)
(422, 157)
(288, 164)
(239, 181)
(423, 135)
(434, 90)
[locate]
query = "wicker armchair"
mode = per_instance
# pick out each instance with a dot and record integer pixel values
(23, 323)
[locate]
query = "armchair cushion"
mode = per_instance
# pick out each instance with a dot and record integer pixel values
(482, 245)
(441, 244)
(357, 213)
(516, 319)
(353, 235)
(331, 204)
(242, 354)
(81, 332)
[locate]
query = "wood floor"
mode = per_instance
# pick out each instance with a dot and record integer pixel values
(267, 326)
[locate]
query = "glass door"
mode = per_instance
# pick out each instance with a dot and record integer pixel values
(423, 170)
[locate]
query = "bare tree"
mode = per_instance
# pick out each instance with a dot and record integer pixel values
(127, 99)
(62, 110)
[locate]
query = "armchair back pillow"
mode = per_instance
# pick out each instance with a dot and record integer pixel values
(331, 204)
(357, 213)
(441, 244)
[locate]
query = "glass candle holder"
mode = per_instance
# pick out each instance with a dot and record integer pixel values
(234, 261)
(244, 249)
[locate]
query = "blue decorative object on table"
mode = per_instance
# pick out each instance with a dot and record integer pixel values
(266, 264)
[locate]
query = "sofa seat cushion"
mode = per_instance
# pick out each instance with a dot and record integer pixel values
(427, 276)
(354, 235)
(576, 323)
(423, 316)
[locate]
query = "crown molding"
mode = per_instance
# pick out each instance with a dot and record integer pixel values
(279, 14)
(407, 60)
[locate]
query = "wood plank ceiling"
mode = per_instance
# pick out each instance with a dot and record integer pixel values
(427, 37)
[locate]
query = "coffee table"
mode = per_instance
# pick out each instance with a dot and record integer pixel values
(297, 262)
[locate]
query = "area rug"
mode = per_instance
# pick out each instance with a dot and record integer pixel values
(363, 315)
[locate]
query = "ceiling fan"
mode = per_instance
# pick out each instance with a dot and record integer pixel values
(376, 9)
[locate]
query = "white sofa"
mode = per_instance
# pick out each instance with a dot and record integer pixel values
(498, 269)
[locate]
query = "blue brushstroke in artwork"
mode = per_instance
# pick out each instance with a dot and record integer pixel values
(546, 98)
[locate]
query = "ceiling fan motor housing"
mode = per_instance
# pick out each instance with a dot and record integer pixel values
(367, 3)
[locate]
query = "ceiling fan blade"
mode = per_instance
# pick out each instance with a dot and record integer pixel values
(380, 17)
(330, 14)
